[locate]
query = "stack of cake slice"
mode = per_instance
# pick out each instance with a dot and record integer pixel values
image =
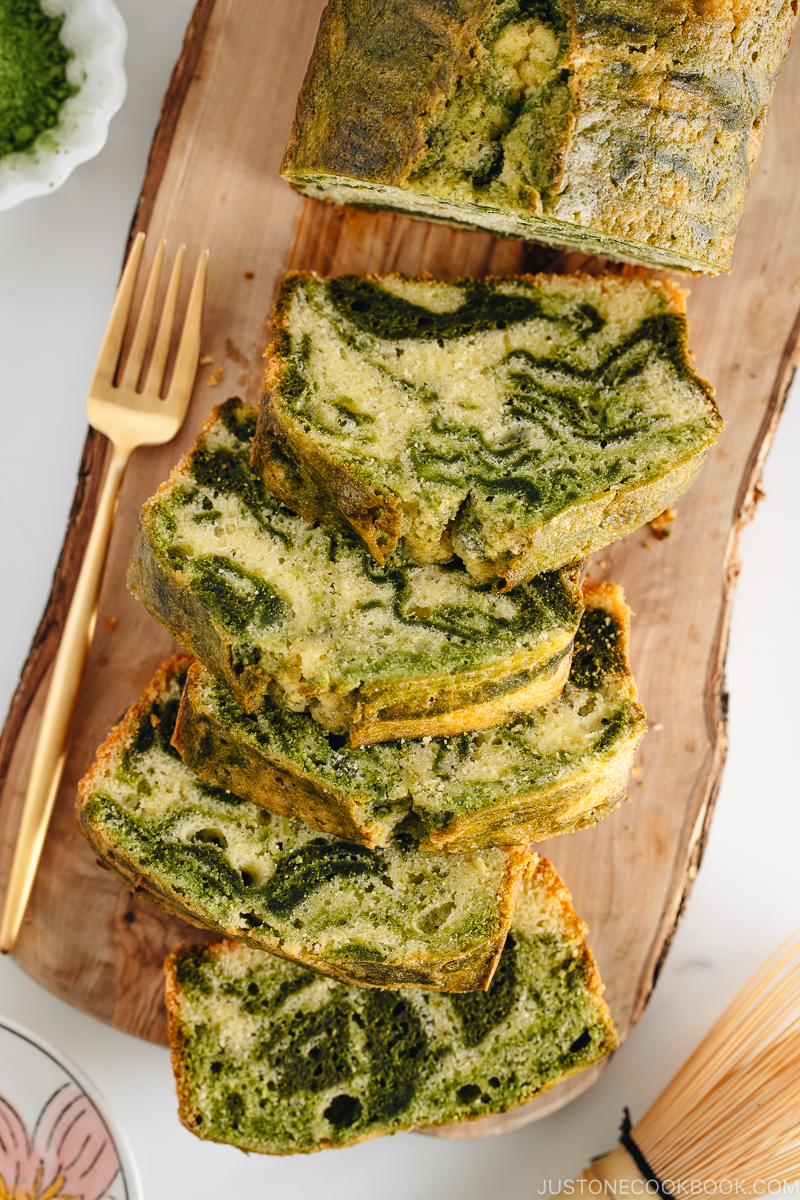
(399, 683)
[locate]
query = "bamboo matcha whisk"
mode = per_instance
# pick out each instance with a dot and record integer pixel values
(729, 1122)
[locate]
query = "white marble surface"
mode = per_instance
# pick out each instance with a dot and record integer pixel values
(59, 263)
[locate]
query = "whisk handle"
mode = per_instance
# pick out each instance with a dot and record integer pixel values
(612, 1169)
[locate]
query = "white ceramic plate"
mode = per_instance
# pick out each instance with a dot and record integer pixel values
(57, 1138)
(96, 34)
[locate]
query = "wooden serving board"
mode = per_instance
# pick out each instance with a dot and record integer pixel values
(212, 181)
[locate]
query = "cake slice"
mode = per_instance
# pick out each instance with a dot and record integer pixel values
(271, 1058)
(396, 917)
(281, 608)
(519, 423)
(611, 128)
(552, 771)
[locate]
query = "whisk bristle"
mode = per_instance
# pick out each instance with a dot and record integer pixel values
(732, 1113)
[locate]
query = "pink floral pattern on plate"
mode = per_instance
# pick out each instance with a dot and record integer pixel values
(69, 1156)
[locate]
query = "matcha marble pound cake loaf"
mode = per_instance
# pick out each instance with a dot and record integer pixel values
(278, 607)
(397, 917)
(271, 1058)
(617, 127)
(552, 771)
(521, 423)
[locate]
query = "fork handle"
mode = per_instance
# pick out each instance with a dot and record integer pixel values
(53, 740)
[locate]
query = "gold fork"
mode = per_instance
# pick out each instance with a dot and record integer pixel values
(128, 418)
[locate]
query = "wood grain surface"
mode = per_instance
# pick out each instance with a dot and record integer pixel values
(212, 181)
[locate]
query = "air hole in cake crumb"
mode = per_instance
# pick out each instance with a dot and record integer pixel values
(215, 837)
(252, 920)
(469, 1093)
(343, 1111)
(431, 920)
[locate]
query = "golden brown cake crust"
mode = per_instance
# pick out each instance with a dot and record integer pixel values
(386, 717)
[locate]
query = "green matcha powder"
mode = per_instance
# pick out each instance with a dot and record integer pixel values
(33, 76)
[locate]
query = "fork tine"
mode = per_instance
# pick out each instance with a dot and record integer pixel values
(180, 388)
(158, 362)
(114, 335)
(133, 366)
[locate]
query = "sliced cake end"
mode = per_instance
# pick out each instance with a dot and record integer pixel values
(613, 129)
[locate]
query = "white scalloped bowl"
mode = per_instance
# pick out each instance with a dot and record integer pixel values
(95, 32)
(56, 1126)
